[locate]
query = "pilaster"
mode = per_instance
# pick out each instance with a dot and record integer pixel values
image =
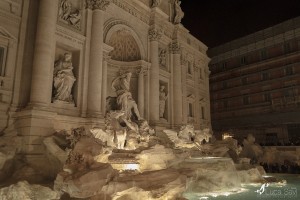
(154, 36)
(141, 90)
(106, 58)
(42, 70)
(175, 49)
(94, 105)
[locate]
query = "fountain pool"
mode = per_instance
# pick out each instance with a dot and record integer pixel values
(271, 191)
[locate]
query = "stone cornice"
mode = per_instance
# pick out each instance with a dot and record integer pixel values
(139, 12)
(97, 4)
(70, 35)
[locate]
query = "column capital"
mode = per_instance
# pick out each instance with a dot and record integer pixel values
(154, 34)
(97, 4)
(196, 68)
(174, 47)
(106, 56)
(142, 70)
(155, 3)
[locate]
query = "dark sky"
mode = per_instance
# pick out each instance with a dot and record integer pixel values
(215, 22)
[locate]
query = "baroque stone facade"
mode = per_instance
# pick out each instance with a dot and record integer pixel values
(104, 38)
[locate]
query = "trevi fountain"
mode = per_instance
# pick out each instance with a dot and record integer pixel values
(109, 100)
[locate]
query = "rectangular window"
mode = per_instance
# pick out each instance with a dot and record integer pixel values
(224, 66)
(2, 61)
(191, 110)
(288, 93)
(225, 103)
(246, 100)
(202, 112)
(263, 54)
(200, 73)
(267, 97)
(265, 76)
(245, 80)
(287, 47)
(224, 83)
(189, 68)
(289, 71)
(243, 60)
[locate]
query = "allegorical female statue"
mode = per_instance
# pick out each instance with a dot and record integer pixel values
(63, 78)
(178, 12)
(162, 101)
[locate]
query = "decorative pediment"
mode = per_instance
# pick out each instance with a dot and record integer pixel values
(6, 34)
(191, 98)
(202, 100)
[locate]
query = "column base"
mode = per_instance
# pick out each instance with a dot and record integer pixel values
(160, 125)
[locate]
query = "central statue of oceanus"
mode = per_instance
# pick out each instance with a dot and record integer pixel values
(122, 117)
(125, 102)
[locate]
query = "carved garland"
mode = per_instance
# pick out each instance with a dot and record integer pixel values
(154, 34)
(141, 71)
(175, 47)
(97, 4)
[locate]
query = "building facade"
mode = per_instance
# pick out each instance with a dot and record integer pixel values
(255, 85)
(58, 59)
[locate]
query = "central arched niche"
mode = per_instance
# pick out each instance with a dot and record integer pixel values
(128, 55)
(126, 42)
(125, 47)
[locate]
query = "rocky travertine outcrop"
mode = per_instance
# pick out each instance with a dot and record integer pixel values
(25, 191)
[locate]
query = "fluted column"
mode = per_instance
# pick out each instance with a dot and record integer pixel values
(184, 92)
(94, 105)
(177, 84)
(154, 36)
(197, 105)
(43, 61)
(104, 85)
(141, 90)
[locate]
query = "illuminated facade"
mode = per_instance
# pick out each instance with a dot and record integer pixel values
(59, 57)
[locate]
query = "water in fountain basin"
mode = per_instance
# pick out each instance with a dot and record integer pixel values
(280, 190)
(211, 174)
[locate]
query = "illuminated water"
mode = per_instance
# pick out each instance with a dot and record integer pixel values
(273, 191)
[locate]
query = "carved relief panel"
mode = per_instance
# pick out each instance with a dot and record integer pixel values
(70, 13)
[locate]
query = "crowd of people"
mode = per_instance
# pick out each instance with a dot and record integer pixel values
(294, 143)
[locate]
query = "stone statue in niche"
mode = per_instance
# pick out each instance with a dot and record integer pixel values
(155, 3)
(121, 85)
(69, 15)
(178, 12)
(63, 79)
(162, 101)
(162, 57)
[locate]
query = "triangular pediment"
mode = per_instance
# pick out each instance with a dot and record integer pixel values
(6, 34)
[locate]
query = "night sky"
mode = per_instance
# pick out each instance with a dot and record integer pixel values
(215, 22)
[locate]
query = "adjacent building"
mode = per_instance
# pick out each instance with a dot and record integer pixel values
(58, 59)
(255, 85)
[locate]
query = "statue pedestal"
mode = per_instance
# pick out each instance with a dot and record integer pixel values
(160, 125)
(63, 104)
